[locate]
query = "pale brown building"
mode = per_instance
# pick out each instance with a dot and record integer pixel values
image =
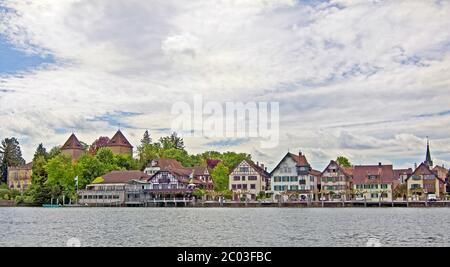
(19, 178)
(73, 148)
(120, 145)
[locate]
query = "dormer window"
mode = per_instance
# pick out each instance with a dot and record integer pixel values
(373, 177)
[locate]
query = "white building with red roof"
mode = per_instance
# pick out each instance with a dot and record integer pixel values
(295, 176)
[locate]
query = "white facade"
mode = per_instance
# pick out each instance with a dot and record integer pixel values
(289, 176)
(246, 180)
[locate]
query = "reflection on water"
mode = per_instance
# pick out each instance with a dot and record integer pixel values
(224, 227)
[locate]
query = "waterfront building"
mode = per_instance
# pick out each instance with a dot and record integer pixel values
(374, 183)
(336, 182)
(402, 174)
(423, 182)
(120, 145)
(200, 174)
(73, 148)
(19, 178)
(249, 180)
(112, 189)
(294, 176)
(426, 180)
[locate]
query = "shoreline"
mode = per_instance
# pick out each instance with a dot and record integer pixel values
(311, 205)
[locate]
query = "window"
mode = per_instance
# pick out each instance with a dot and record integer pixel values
(236, 178)
(375, 195)
(233, 187)
(293, 188)
(243, 169)
(372, 177)
(252, 178)
(253, 186)
(243, 178)
(384, 186)
(239, 186)
(311, 179)
(293, 179)
(244, 186)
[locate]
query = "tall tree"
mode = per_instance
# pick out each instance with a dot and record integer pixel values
(344, 162)
(172, 141)
(10, 155)
(146, 139)
(220, 177)
(55, 151)
(40, 151)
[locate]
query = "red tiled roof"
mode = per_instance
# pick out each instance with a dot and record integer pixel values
(119, 140)
(72, 143)
(122, 177)
(165, 164)
(399, 172)
(300, 159)
(384, 173)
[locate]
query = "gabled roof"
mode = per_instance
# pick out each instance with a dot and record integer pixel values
(123, 177)
(164, 164)
(299, 159)
(348, 172)
(72, 143)
(384, 173)
(119, 140)
(255, 167)
(399, 172)
(423, 169)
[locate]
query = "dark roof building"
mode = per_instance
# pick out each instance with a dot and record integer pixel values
(73, 148)
(119, 144)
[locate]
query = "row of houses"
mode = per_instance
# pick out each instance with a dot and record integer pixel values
(292, 179)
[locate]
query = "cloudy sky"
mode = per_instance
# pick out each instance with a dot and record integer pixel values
(365, 79)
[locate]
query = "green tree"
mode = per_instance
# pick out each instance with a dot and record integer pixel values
(87, 169)
(147, 153)
(10, 155)
(220, 177)
(40, 151)
(146, 139)
(344, 162)
(125, 162)
(55, 151)
(61, 176)
(39, 191)
(106, 157)
(172, 141)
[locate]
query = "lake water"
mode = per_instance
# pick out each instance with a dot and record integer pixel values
(259, 227)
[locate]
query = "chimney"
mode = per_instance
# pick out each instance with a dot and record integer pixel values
(265, 169)
(262, 165)
(257, 163)
(300, 153)
(379, 164)
(415, 166)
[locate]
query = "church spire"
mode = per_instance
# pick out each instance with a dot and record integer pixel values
(428, 159)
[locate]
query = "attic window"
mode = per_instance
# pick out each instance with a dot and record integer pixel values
(373, 177)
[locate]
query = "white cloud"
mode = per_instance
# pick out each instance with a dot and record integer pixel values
(352, 77)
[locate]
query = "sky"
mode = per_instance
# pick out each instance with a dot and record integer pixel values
(365, 79)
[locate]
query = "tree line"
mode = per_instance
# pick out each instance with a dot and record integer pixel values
(53, 174)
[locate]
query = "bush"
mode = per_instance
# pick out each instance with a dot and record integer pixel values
(6, 197)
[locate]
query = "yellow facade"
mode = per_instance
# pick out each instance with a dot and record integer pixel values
(19, 178)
